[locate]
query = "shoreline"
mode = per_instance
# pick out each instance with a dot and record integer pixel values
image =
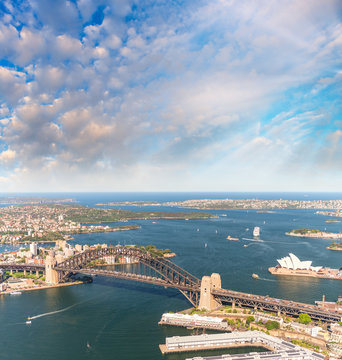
(334, 248)
(41, 287)
(320, 235)
(136, 227)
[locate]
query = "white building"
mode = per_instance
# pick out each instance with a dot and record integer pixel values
(292, 262)
(34, 248)
(194, 321)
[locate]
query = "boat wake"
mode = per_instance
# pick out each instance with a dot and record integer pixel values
(276, 242)
(264, 279)
(52, 312)
(61, 310)
(255, 240)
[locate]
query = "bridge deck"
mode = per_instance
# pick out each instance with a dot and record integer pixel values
(276, 305)
(174, 277)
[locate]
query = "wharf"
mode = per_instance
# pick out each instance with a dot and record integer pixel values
(165, 350)
(276, 346)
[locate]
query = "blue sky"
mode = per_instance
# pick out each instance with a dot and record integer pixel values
(219, 95)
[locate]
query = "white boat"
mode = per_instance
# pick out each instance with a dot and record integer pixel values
(256, 231)
(28, 321)
(15, 293)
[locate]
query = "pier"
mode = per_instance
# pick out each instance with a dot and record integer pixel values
(279, 349)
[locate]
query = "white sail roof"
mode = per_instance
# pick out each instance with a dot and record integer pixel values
(292, 262)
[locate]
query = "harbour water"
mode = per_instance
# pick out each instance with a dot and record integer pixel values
(116, 319)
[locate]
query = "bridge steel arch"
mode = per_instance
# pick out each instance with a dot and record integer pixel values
(172, 274)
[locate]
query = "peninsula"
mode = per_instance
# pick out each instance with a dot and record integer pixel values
(49, 223)
(227, 204)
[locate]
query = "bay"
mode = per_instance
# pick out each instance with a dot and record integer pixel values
(116, 319)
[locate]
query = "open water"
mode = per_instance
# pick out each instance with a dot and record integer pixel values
(116, 319)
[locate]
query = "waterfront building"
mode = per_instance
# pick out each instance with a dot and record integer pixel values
(267, 317)
(208, 322)
(279, 349)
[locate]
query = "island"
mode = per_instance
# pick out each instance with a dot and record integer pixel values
(50, 223)
(337, 246)
(227, 204)
(314, 233)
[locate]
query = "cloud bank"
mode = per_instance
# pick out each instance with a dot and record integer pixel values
(222, 95)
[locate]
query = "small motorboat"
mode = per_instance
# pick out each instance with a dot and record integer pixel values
(28, 321)
(255, 276)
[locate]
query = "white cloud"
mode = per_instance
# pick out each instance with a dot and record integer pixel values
(7, 157)
(148, 94)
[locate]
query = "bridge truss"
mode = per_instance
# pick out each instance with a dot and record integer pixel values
(156, 270)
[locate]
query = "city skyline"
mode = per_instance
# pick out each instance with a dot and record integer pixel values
(170, 96)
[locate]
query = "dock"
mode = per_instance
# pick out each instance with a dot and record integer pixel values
(276, 346)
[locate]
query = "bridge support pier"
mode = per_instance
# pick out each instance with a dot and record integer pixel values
(51, 275)
(37, 273)
(24, 272)
(208, 284)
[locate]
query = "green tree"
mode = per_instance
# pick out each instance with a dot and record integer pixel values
(250, 319)
(304, 318)
(270, 325)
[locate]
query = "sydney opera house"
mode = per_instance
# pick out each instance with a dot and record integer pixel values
(292, 262)
(291, 265)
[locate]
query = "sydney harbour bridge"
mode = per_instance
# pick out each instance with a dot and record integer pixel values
(205, 293)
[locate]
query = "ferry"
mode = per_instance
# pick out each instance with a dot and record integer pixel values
(256, 231)
(232, 239)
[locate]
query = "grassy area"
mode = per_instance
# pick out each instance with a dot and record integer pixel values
(20, 275)
(305, 344)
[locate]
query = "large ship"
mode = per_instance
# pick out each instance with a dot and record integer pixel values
(292, 266)
(256, 231)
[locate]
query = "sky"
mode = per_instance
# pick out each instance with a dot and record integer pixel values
(125, 95)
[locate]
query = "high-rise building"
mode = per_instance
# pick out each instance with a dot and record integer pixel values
(34, 248)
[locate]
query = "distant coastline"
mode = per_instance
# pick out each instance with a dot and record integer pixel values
(228, 204)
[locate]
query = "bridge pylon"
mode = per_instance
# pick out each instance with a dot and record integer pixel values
(208, 284)
(51, 275)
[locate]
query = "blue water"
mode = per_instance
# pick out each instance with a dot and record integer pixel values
(116, 319)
